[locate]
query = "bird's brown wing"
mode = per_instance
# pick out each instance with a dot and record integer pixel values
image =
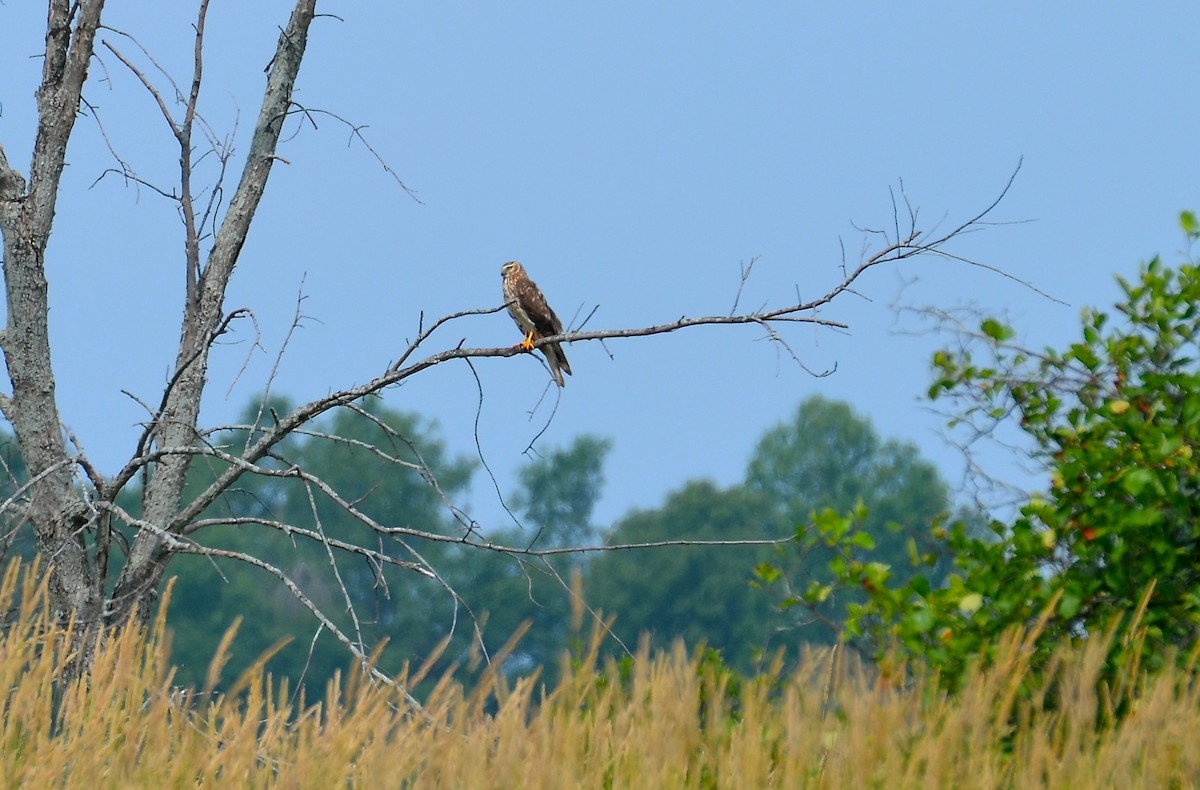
(545, 322)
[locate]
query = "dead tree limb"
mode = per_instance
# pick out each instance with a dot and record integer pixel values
(74, 509)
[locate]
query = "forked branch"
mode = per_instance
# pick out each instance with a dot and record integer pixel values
(913, 244)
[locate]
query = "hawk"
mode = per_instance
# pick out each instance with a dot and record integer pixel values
(534, 317)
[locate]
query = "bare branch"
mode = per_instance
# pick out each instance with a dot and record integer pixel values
(352, 510)
(257, 344)
(746, 269)
(479, 450)
(147, 84)
(184, 546)
(374, 556)
(127, 473)
(182, 131)
(175, 424)
(125, 169)
(356, 132)
(32, 483)
(191, 238)
(776, 338)
(72, 505)
(800, 312)
(423, 334)
(297, 320)
(337, 574)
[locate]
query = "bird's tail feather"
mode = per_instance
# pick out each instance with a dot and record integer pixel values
(558, 363)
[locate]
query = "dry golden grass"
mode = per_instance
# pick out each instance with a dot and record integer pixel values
(670, 721)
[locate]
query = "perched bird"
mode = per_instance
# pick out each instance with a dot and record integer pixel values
(534, 317)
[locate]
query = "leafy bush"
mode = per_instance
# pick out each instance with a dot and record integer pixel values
(1115, 419)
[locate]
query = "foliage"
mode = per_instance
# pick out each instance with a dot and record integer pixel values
(559, 490)
(1115, 418)
(554, 505)
(827, 460)
(376, 463)
(828, 456)
(15, 542)
(554, 502)
(669, 722)
(698, 593)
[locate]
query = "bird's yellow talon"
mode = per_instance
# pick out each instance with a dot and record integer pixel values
(527, 343)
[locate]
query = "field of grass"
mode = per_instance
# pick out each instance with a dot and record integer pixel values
(668, 720)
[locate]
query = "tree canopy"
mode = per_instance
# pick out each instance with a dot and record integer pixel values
(697, 593)
(829, 458)
(380, 462)
(552, 509)
(825, 458)
(701, 593)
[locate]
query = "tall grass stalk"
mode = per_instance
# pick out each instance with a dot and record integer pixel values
(668, 720)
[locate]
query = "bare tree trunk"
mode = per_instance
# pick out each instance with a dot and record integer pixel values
(71, 513)
(175, 424)
(26, 216)
(60, 511)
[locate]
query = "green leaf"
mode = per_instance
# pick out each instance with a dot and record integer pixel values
(1187, 221)
(1135, 480)
(1068, 605)
(878, 572)
(922, 620)
(767, 572)
(863, 540)
(817, 592)
(996, 330)
(970, 603)
(1169, 444)
(832, 525)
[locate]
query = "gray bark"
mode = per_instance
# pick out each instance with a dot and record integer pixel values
(62, 513)
(26, 216)
(176, 422)
(71, 518)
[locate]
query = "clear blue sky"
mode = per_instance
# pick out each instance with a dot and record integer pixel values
(632, 155)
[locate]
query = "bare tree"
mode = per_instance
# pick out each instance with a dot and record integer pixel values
(74, 509)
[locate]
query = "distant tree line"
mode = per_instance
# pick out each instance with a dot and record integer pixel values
(879, 560)
(826, 456)
(876, 560)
